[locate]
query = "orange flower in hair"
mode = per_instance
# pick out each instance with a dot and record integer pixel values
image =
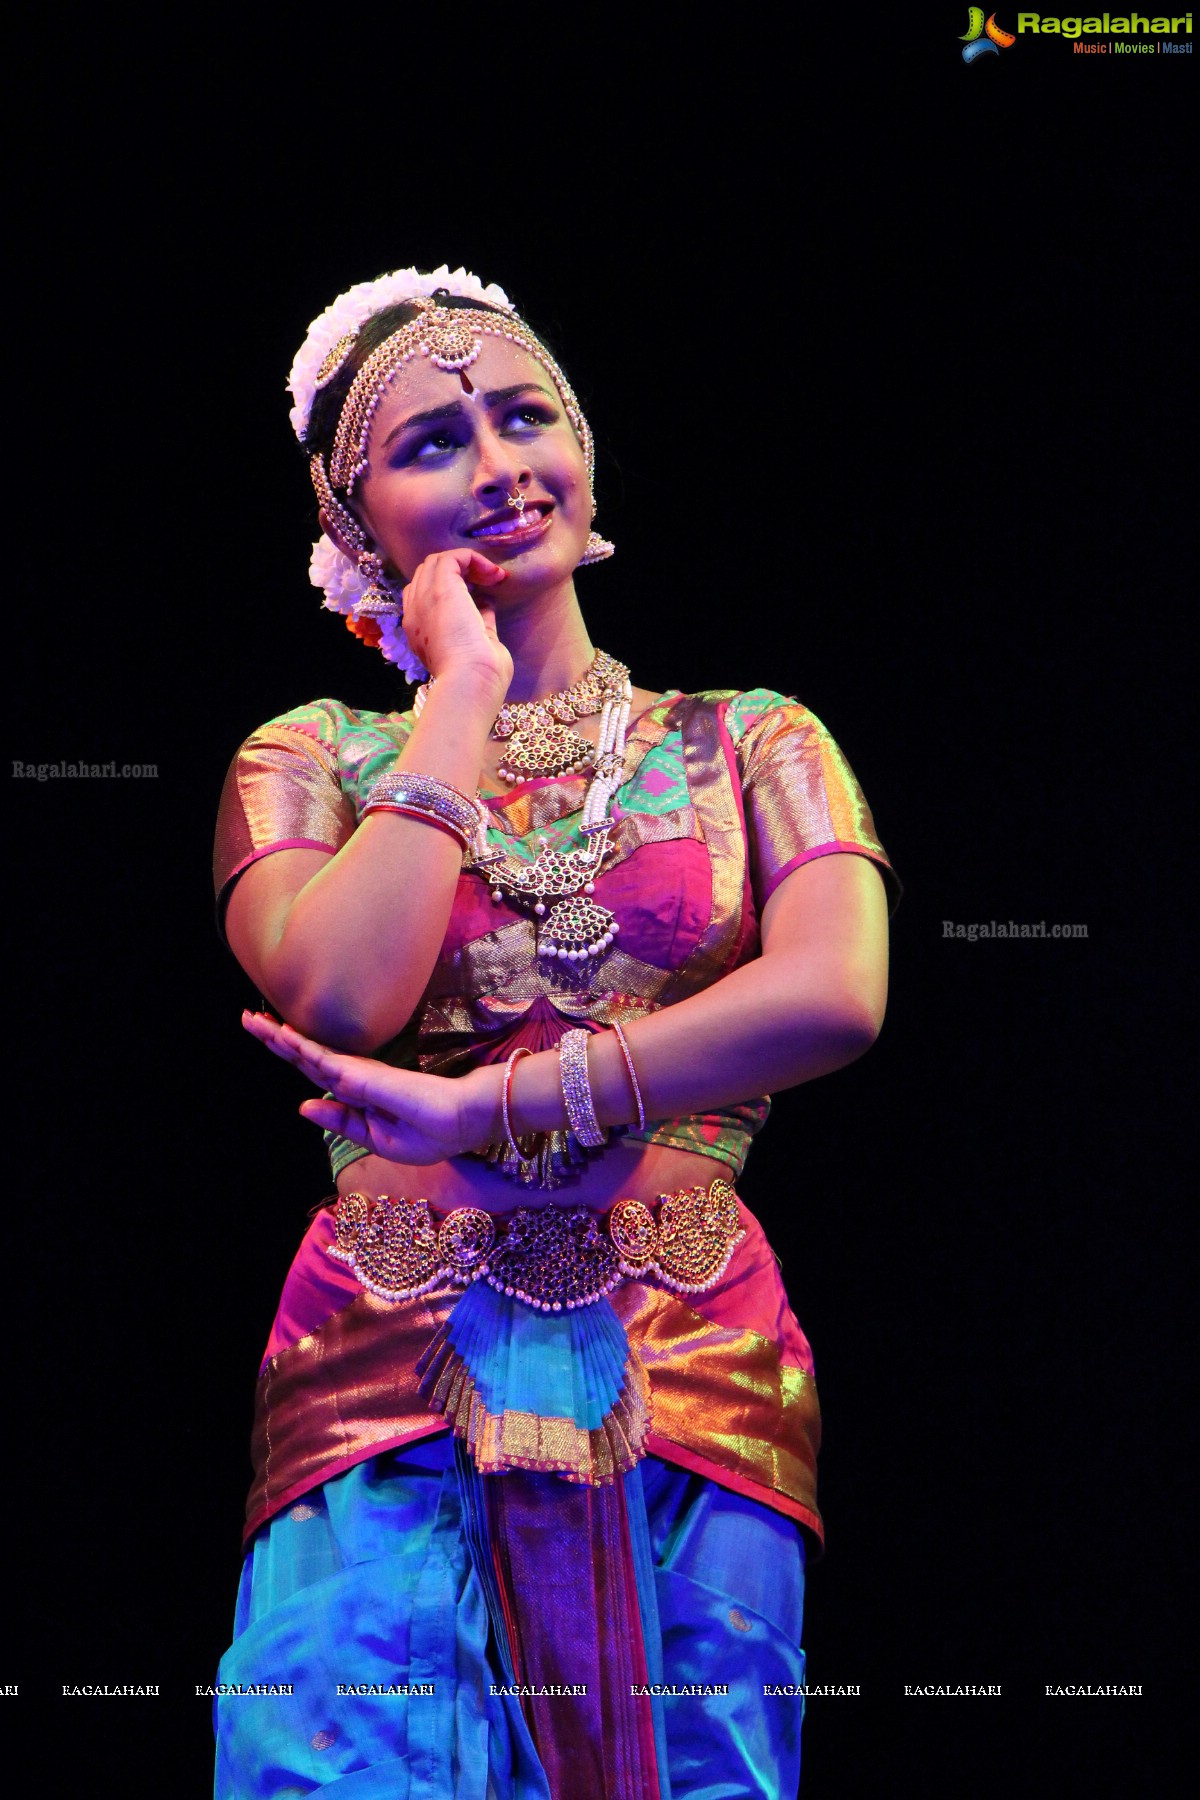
(366, 629)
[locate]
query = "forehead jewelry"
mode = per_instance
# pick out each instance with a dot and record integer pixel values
(450, 338)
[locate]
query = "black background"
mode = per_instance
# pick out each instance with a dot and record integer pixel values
(887, 361)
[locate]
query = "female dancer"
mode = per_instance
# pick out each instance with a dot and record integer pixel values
(536, 1428)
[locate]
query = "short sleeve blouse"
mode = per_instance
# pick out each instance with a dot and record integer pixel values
(726, 793)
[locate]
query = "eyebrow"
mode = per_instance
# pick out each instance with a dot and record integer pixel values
(497, 397)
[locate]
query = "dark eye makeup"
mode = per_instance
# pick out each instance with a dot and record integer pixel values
(444, 439)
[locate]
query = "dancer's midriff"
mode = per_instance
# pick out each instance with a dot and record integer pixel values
(625, 1172)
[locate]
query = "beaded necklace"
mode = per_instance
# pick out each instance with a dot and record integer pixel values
(558, 884)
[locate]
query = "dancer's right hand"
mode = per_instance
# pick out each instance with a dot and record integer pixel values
(452, 629)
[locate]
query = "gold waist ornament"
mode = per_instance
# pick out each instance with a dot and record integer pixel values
(553, 1258)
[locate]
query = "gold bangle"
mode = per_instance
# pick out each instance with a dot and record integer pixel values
(426, 797)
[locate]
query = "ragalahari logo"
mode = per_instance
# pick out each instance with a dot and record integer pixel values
(983, 39)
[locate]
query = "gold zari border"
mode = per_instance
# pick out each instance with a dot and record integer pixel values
(351, 1390)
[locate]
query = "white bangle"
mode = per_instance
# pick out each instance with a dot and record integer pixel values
(577, 1089)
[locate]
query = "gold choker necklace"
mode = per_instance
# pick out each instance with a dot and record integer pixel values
(535, 732)
(537, 741)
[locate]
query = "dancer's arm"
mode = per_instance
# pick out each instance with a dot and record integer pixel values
(343, 944)
(811, 1003)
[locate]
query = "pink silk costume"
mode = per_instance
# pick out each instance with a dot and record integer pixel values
(726, 793)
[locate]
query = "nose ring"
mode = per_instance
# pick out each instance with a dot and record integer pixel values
(515, 500)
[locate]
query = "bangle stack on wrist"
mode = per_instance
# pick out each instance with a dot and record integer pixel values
(548, 1158)
(424, 797)
(577, 1089)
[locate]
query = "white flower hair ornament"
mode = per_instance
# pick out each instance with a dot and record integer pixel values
(358, 587)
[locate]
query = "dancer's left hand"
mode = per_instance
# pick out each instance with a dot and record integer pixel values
(400, 1114)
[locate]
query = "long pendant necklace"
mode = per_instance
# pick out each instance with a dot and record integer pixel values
(574, 928)
(557, 885)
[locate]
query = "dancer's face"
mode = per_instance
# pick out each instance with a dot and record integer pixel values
(441, 482)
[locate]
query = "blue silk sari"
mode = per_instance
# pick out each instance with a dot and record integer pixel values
(378, 1581)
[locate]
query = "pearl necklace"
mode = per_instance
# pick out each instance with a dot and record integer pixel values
(572, 929)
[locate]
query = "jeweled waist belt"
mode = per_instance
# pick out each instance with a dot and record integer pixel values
(554, 1258)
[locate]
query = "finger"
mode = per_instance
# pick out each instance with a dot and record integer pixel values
(356, 1081)
(348, 1078)
(320, 1064)
(277, 1036)
(343, 1121)
(482, 572)
(469, 566)
(258, 1024)
(269, 1029)
(374, 1087)
(273, 1034)
(307, 1047)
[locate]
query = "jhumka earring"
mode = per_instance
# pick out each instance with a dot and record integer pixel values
(378, 602)
(596, 548)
